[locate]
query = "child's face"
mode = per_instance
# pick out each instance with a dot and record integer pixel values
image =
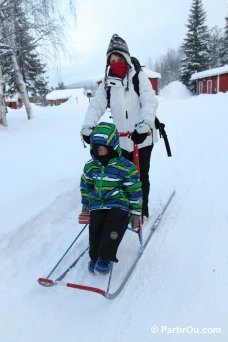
(102, 151)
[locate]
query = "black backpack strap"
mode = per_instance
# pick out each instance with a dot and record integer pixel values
(108, 96)
(135, 81)
(158, 125)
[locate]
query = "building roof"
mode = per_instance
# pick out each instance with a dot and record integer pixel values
(64, 94)
(151, 74)
(210, 72)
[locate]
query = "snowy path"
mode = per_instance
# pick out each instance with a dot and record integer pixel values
(181, 279)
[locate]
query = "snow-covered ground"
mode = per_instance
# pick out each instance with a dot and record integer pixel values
(182, 278)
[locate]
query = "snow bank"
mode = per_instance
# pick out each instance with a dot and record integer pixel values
(175, 90)
(39, 159)
(64, 94)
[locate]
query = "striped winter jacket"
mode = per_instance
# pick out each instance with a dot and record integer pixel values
(115, 185)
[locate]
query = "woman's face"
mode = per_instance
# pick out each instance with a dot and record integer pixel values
(116, 58)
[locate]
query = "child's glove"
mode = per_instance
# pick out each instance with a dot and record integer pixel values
(85, 208)
(134, 220)
(86, 138)
(86, 133)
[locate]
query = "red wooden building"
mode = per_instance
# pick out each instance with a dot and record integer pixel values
(154, 78)
(211, 81)
(14, 101)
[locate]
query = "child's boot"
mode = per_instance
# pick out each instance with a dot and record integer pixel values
(91, 265)
(103, 266)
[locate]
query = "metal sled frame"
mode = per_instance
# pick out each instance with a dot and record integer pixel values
(49, 282)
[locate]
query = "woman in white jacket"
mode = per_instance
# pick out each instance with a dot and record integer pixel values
(130, 112)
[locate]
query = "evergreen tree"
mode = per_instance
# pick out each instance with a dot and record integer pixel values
(33, 70)
(31, 67)
(224, 53)
(60, 86)
(195, 46)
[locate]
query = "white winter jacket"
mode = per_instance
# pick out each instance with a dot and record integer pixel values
(127, 108)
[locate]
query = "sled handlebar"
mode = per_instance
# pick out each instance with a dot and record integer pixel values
(136, 149)
(129, 134)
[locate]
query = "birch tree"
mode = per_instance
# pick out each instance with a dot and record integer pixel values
(10, 37)
(3, 50)
(45, 22)
(8, 18)
(3, 120)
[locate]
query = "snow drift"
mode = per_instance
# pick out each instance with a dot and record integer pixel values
(175, 90)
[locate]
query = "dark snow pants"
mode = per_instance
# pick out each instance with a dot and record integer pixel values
(144, 162)
(106, 230)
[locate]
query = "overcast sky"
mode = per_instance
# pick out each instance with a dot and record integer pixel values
(149, 27)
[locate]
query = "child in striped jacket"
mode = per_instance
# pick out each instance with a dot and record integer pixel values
(111, 191)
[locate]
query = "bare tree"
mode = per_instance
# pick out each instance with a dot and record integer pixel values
(168, 65)
(215, 46)
(150, 64)
(224, 50)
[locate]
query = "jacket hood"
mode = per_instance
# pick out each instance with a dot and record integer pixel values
(106, 134)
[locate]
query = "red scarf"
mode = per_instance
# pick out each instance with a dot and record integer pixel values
(119, 69)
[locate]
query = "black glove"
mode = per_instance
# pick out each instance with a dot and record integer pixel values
(134, 220)
(138, 138)
(86, 138)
